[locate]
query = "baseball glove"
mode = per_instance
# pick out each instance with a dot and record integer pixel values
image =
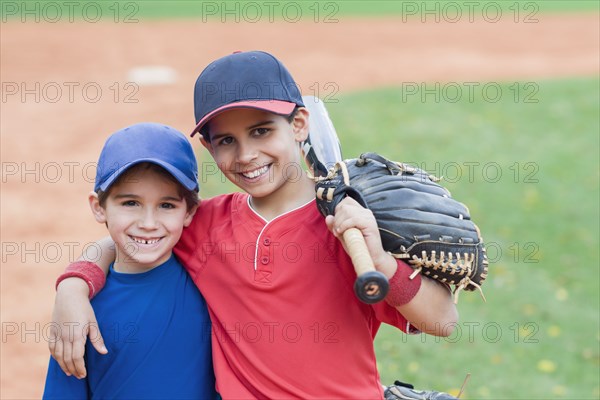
(418, 220)
(404, 391)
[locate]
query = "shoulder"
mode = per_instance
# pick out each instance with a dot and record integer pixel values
(211, 214)
(215, 210)
(220, 205)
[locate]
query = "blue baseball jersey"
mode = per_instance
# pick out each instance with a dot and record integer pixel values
(157, 331)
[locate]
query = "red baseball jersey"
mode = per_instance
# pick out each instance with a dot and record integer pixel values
(286, 322)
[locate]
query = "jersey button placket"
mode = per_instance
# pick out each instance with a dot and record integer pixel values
(263, 266)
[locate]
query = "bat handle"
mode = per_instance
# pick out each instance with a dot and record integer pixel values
(371, 286)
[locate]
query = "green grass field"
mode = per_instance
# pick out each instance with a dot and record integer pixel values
(329, 11)
(524, 157)
(320, 11)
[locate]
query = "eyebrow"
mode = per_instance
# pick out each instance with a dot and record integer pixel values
(120, 196)
(267, 122)
(134, 196)
(249, 128)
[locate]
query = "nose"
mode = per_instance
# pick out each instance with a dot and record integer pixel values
(246, 153)
(148, 220)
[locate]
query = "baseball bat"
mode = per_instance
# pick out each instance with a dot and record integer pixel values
(322, 150)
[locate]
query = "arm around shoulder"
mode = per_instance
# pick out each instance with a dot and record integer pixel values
(73, 318)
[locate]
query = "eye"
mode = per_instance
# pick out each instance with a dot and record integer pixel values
(129, 203)
(225, 141)
(261, 131)
(168, 206)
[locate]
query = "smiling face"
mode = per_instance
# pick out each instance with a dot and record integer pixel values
(258, 150)
(145, 214)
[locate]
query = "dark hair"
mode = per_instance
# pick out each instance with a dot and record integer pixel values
(204, 129)
(190, 196)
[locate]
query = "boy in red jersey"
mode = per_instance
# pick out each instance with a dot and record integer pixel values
(278, 283)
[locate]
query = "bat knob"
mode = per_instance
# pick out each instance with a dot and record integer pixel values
(371, 287)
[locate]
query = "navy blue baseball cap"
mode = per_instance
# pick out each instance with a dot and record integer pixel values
(147, 142)
(252, 79)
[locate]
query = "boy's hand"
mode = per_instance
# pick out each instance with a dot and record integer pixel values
(73, 319)
(350, 214)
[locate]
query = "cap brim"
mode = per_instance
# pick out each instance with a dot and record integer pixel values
(189, 184)
(275, 106)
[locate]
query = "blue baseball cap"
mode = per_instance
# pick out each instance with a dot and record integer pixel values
(252, 79)
(147, 142)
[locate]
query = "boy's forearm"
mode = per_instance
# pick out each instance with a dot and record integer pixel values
(73, 286)
(432, 310)
(426, 303)
(105, 255)
(87, 274)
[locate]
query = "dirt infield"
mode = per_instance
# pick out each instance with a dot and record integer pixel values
(65, 86)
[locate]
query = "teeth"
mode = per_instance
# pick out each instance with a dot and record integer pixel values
(256, 172)
(144, 241)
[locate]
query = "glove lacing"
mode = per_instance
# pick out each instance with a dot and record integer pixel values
(453, 263)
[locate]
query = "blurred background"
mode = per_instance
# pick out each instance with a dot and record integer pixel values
(501, 98)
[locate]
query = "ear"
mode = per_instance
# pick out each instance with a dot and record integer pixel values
(189, 216)
(97, 210)
(300, 124)
(207, 145)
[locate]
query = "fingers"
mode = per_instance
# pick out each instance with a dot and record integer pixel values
(52, 339)
(350, 207)
(71, 320)
(350, 214)
(68, 351)
(348, 201)
(57, 353)
(58, 349)
(68, 358)
(77, 352)
(329, 221)
(78, 348)
(96, 339)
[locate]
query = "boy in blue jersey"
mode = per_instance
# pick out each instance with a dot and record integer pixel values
(155, 322)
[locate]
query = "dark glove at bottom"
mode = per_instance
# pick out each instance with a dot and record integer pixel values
(400, 390)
